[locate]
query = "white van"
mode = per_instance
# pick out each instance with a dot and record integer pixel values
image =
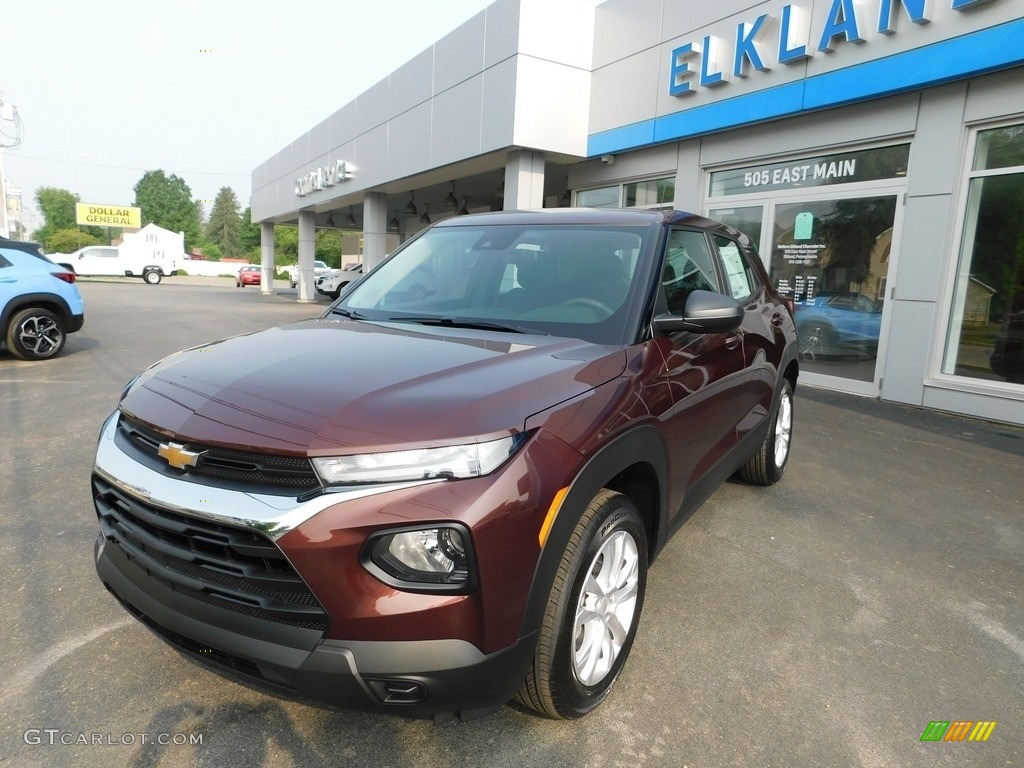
(106, 260)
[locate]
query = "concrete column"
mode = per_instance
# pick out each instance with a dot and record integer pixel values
(307, 255)
(375, 224)
(524, 180)
(267, 257)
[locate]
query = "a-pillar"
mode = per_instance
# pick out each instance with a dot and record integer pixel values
(524, 180)
(375, 223)
(267, 257)
(307, 255)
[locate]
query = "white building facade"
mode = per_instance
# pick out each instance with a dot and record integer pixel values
(874, 149)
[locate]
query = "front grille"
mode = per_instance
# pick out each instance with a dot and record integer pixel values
(223, 466)
(230, 567)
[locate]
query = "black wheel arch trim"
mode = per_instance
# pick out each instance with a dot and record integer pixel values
(49, 301)
(642, 445)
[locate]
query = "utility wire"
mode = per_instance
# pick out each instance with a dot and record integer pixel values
(124, 167)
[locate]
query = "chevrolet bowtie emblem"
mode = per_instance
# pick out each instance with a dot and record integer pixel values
(177, 456)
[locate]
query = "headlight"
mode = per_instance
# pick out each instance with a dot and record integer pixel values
(451, 461)
(431, 559)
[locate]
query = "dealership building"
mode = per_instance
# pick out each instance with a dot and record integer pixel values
(872, 149)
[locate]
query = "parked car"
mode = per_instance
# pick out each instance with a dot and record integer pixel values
(39, 302)
(247, 275)
(431, 505)
(319, 268)
(129, 260)
(835, 324)
(1008, 351)
(331, 284)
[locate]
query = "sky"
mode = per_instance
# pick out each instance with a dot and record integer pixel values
(204, 90)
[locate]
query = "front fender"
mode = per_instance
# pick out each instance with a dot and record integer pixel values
(641, 446)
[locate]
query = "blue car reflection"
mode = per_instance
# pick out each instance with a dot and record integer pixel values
(834, 324)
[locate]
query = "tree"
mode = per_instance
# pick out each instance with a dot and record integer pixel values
(249, 235)
(70, 240)
(328, 246)
(224, 227)
(286, 244)
(212, 251)
(167, 202)
(58, 209)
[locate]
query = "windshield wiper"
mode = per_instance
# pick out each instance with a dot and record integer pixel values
(454, 322)
(347, 313)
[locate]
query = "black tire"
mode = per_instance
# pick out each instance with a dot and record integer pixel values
(767, 465)
(152, 276)
(607, 551)
(36, 333)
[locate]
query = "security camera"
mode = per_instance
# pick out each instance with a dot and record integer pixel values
(607, 159)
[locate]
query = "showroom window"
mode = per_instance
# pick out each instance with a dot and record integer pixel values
(653, 193)
(986, 328)
(825, 226)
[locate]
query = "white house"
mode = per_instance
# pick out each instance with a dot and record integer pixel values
(155, 242)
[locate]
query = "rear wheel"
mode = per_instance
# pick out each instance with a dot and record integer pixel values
(767, 465)
(592, 613)
(36, 334)
(151, 276)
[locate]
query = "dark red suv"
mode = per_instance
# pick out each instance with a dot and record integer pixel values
(431, 502)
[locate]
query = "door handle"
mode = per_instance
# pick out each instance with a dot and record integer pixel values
(777, 318)
(733, 340)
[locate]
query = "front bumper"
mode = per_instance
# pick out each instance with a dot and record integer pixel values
(432, 677)
(378, 665)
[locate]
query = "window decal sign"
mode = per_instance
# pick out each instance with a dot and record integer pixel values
(804, 226)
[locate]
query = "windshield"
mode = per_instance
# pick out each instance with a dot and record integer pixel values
(562, 280)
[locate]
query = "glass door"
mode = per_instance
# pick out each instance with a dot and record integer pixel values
(746, 218)
(832, 256)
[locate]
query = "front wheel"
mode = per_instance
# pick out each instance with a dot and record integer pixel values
(151, 276)
(592, 613)
(36, 334)
(767, 465)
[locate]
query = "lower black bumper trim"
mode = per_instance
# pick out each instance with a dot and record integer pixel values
(443, 678)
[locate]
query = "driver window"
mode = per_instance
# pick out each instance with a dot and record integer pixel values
(688, 267)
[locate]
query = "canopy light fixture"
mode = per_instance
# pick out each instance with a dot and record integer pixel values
(451, 201)
(330, 220)
(350, 220)
(464, 210)
(410, 207)
(393, 225)
(425, 218)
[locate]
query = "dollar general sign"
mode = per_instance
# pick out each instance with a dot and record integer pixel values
(108, 215)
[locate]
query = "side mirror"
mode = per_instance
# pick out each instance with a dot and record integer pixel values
(705, 312)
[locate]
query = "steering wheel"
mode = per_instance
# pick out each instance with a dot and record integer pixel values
(594, 304)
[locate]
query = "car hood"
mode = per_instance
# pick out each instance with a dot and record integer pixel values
(324, 385)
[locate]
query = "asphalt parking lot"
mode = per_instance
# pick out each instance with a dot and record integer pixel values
(822, 622)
